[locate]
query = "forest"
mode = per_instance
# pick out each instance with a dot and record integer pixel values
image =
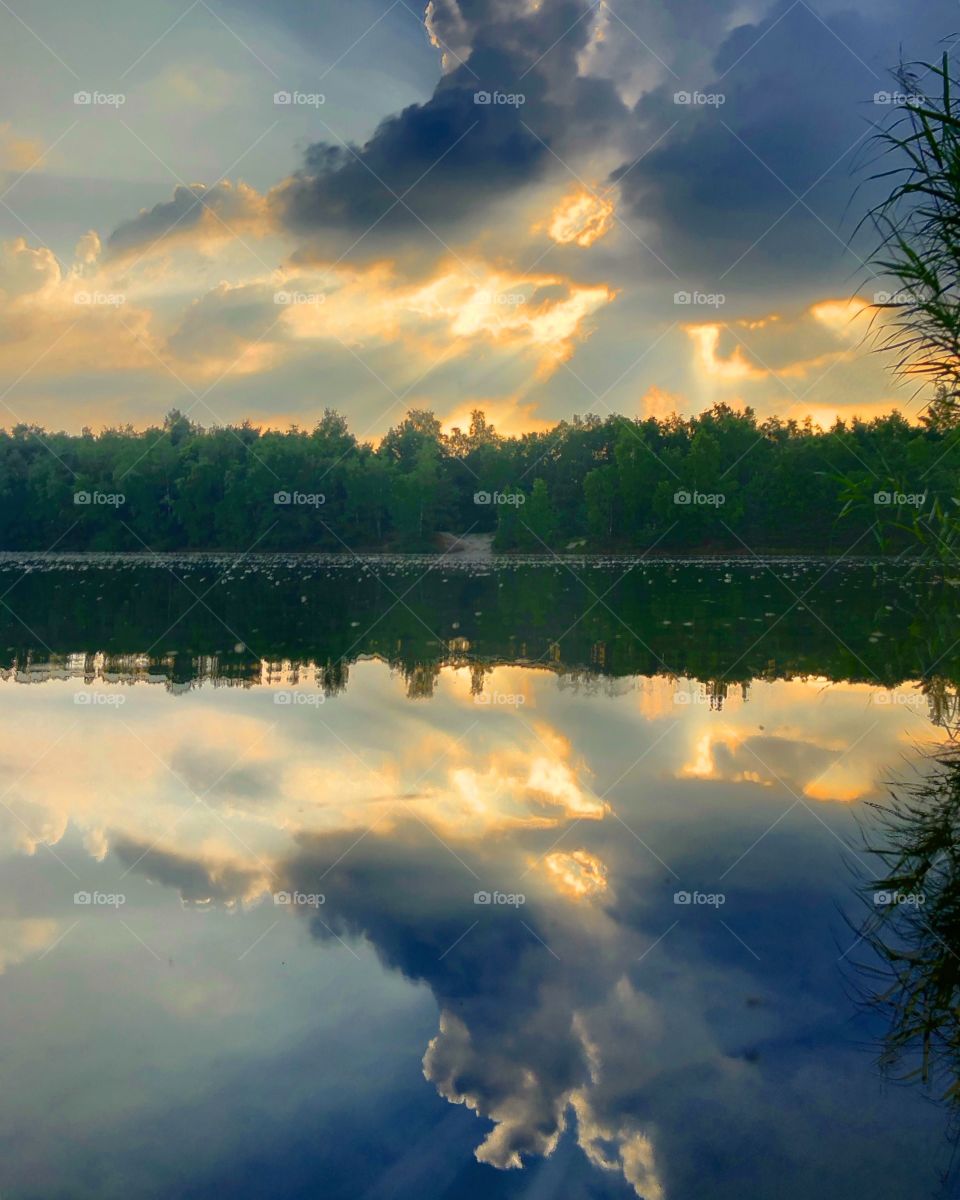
(722, 481)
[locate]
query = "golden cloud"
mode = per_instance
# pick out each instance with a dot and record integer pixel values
(577, 875)
(581, 218)
(818, 359)
(17, 153)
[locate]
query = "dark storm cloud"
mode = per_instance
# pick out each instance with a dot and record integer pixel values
(506, 999)
(751, 196)
(594, 1023)
(412, 901)
(456, 154)
(753, 190)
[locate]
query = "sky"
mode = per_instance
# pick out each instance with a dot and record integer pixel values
(539, 208)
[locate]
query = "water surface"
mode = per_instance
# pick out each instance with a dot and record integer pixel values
(414, 879)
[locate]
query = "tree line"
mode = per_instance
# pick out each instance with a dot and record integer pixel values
(721, 481)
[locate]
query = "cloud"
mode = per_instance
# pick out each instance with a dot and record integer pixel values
(752, 187)
(496, 123)
(656, 402)
(582, 218)
(198, 881)
(463, 310)
(67, 321)
(576, 874)
(510, 1045)
(197, 214)
(22, 937)
(25, 270)
(17, 153)
(815, 360)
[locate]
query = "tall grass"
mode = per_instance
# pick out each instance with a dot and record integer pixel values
(917, 227)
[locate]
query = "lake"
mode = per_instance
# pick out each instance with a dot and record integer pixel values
(409, 877)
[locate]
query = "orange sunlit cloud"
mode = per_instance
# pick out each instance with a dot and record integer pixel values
(815, 362)
(509, 415)
(578, 874)
(843, 317)
(734, 368)
(109, 315)
(659, 403)
(581, 219)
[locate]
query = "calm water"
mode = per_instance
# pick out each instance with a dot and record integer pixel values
(288, 786)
